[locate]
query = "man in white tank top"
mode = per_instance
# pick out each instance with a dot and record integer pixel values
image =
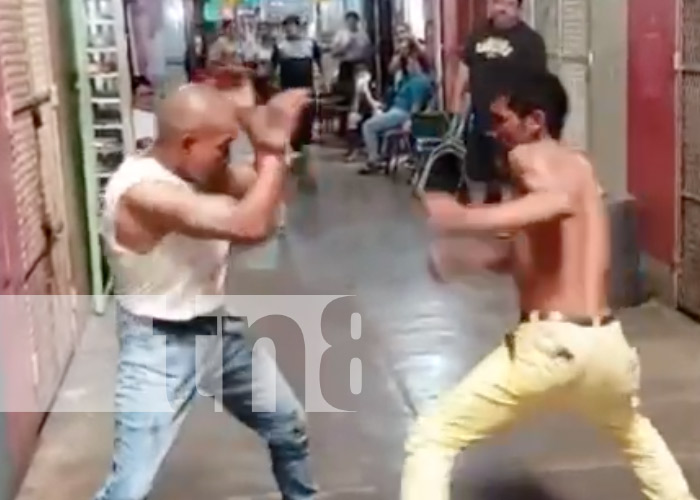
(170, 218)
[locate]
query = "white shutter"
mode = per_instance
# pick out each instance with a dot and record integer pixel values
(564, 25)
(574, 68)
(546, 16)
(25, 62)
(574, 76)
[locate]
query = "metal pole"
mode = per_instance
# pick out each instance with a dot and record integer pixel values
(678, 157)
(438, 40)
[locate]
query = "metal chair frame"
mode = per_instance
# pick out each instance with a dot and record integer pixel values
(451, 144)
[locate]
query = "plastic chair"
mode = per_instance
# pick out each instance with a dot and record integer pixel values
(397, 148)
(429, 131)
(401, 146)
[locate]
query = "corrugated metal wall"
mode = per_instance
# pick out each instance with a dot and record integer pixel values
(688, 121)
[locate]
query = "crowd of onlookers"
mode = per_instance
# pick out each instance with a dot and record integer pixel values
(287, 56)
(342, 71)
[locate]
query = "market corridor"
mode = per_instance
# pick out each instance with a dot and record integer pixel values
(365, 237)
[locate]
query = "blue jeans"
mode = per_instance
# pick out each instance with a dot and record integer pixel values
(373, 129)
(162, 366)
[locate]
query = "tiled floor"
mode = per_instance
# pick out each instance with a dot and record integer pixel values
(364, 237)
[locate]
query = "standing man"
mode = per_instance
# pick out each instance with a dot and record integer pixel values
(568, 351)
(352, 44)
(351, 47)
(295, 57)
(170, 219)
(505, 39)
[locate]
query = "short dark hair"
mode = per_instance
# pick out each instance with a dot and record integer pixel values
(352, 15)
(292, 19)
(530, 91)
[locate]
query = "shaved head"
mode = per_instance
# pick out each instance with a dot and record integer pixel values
(196, 125)
(194, 110)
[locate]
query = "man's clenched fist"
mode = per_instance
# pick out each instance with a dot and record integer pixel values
(270, 127)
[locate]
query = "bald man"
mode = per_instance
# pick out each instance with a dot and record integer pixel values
(170, 219)
(569, 351)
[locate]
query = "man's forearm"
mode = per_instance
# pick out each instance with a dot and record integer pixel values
(263, 198)
(508, 216)
(459, 255)
(460, 90)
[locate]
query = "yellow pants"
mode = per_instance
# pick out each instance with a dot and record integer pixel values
(543, 365)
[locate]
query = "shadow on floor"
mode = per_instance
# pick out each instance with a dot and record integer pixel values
(517, 487)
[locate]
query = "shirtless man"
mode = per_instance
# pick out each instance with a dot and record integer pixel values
(170, 219)
(568, 350)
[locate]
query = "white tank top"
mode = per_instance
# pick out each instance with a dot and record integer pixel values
(181, 277)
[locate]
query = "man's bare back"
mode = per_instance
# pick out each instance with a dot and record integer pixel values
(562, 265)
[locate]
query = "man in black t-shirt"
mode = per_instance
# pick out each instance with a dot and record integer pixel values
(506, 45)
(295, 57)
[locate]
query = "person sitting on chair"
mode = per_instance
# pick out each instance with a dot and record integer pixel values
(411, 97)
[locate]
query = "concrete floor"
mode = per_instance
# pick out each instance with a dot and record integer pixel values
(365, 237)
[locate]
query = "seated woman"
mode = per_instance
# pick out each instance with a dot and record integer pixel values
(414, 92)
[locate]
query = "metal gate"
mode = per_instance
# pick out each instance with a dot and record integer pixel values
(688, 120)
(42, 274)
(565, 27)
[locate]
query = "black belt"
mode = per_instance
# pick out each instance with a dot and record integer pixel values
(584, 321)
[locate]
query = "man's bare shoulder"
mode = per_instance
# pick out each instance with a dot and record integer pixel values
(542, 166)
(581, 163)
(556, 162)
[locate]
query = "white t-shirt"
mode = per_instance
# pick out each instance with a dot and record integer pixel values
(181, 277)
(145, 128)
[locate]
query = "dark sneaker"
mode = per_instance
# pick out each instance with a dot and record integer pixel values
(370, 169)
